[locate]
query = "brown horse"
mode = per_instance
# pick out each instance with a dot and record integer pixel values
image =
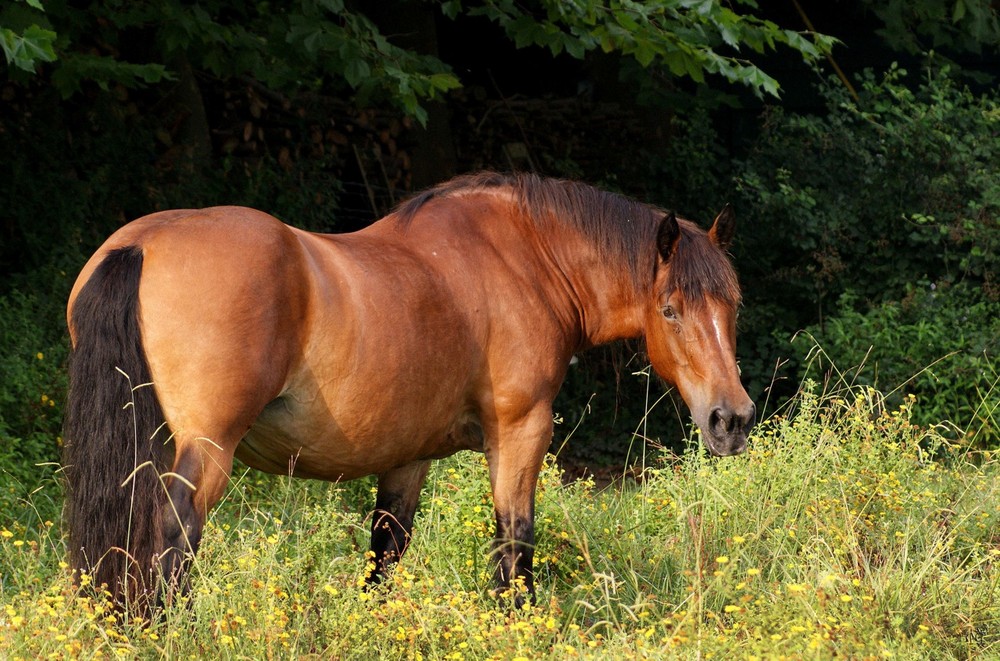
(200, 335)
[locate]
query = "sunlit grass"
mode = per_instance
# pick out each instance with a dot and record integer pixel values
(844, 531)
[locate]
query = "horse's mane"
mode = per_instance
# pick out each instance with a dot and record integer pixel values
(621, 228)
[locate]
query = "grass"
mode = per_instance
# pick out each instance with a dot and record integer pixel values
(845, 531)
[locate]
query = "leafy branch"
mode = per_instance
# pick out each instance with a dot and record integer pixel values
(31, 44)
(691, 38)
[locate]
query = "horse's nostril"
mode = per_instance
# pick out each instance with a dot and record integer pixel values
(751, 418)
(720, 420)
(726, 421)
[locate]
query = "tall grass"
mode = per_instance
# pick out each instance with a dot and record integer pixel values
(844, 531)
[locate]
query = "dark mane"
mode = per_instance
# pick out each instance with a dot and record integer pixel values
(699, 268)
(623, 229)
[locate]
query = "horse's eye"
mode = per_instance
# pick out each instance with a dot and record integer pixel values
(668, 312)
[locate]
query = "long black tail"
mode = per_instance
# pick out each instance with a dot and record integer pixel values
(114, 436)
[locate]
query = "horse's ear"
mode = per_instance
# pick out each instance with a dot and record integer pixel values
(723, 228)
(667, 235)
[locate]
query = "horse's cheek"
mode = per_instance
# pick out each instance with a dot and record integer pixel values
(662, 353)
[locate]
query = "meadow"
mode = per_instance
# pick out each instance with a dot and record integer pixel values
(845, 531)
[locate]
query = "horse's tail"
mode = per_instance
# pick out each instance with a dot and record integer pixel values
(114, 436)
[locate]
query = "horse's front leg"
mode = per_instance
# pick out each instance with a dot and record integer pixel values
(392, 522)
(515, 452)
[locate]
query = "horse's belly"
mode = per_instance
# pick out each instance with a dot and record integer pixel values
(310, 442)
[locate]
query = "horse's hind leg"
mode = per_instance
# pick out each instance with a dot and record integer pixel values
(392, 523)
(200, 473)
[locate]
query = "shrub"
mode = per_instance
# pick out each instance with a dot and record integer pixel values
(33, 348)
(940, 344)
(873, 196)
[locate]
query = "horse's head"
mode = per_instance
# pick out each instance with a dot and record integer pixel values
(691, 329)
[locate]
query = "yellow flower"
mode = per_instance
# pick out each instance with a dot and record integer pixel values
(40, 355)
(753, 571)
(738, 539)
(6, 534)
(722, 559)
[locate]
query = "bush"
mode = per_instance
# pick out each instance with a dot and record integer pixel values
(899, 187)
(902, 185)
(941, 345)
(33, 349)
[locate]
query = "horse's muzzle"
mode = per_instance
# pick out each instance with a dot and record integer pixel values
(727, 430)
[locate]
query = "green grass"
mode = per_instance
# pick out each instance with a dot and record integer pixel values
(845, 531)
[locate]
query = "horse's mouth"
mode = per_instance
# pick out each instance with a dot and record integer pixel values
(728, 446)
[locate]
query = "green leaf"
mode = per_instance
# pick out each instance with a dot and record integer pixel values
(356, 71)
(24, 50)
(959, 12)
(801, 44)
(451, 8)
(576, 48)
(644, 52)
(729, 35)
(445, 81)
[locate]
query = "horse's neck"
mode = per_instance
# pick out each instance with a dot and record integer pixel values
(603, 296)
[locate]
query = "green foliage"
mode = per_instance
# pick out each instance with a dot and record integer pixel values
(917, 26)
(25, 49)
(837, 536)
(872, 197)
(75, 69)
(27, 42)
(33, 350)
(876, 195)
(292, 45)
(350, 43)
(689, 38)
(940, 345)
(317, 44)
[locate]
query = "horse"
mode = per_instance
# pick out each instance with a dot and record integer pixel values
(202, 335)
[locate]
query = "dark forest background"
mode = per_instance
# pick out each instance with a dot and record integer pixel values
(859, 142)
